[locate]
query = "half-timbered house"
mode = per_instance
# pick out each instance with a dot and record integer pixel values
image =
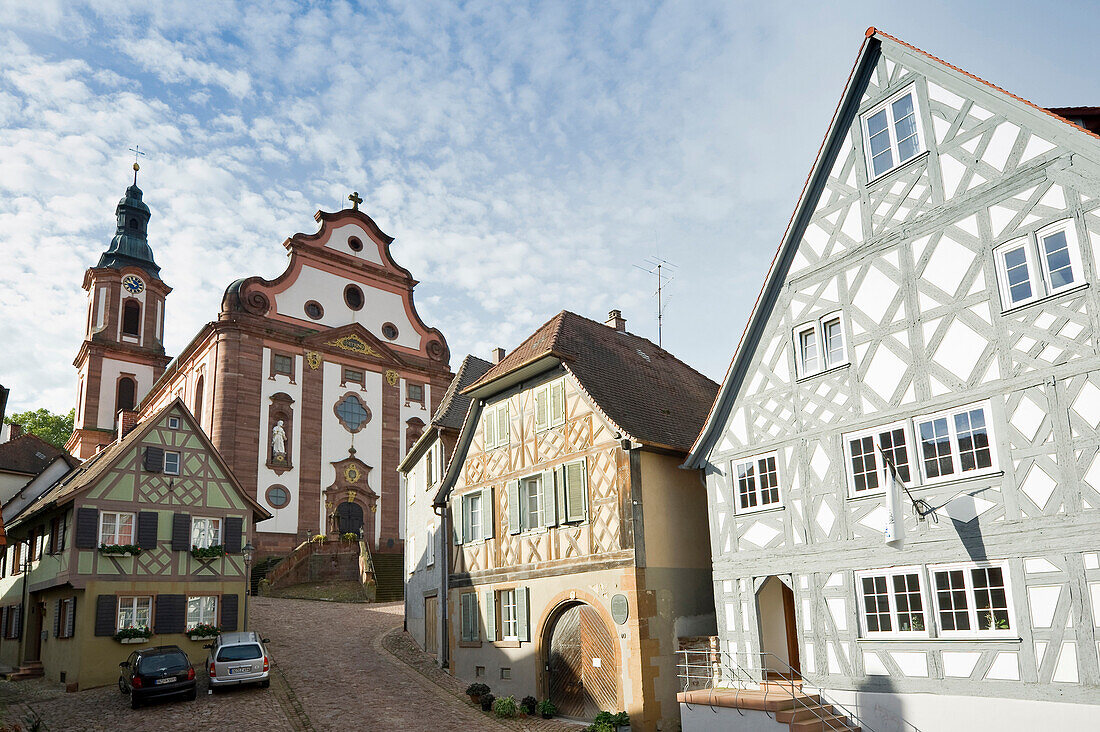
(935, 304)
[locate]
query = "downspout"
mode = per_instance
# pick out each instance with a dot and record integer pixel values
(21, 656)
(444, 641)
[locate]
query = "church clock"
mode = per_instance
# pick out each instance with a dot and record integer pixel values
(133, 284)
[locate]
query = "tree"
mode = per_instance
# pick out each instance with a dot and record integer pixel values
(53, 428)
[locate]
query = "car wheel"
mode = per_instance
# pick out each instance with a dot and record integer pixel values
(121, 685)
(134, 701)
(265, 683)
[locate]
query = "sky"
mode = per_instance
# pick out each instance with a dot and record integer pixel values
(527, 157)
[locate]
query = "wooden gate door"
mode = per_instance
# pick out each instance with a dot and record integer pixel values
(583, 670)
(431, 623)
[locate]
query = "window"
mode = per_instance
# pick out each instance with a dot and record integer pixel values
(355, 244)
(1039, 265)
(471, 517)
(550, 404)
(314, 310)
(206, 532)
(66, 621)
(505, 673)
(891, 133)
(509, 625)
(868, 471)
(127, 394)
(134, 612)
(131, 318)
(955, 443)
(171, 462)
(573, 486)
(354, 376)
(468, 617)
(282, 365)
(353, 296)
(892, 602)
(199, 386)
(116, 528)
(757, 484)
(352, 413)
(278, 496)
(389, 330)
(972, 600)
(531, 496)
(173, 423)
(429, 547)
(203, 609)
(414, 392)
(496, 425)
(820, 345)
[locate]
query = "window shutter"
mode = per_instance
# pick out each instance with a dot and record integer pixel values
(521, 614)
(87, 528)
(154, 459)
(181, 532)
(106, 614)
(557, 402)
(57, 618)
(4, 621)
(490, 616)
(468, 620)
(456, 521)
(575, 491)
(548, 498)
(70, 619)
(229, 604)
(515, 522)
(541, 408)
(490, 428)
(64, 531)
(171, 614)
(233, 528)
(486, 513)
(18, 622)
(503, 438)
(147, 529)
(559, 493)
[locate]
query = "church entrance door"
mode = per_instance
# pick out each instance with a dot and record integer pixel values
(349, 519)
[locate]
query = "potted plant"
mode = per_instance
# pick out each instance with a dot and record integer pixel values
(124, 550)
(133, 635)
(208, 552)
(608, 722)
(546, 709)
(487, 702)
(528, 705)
(350, 536)
(506, 707)
(475, 690)
(203, 631)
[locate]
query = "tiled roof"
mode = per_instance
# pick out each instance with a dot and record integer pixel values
(452, 409)
(29, 454)
(645, 390)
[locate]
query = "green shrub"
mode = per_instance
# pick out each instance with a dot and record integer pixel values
(528, 704)
(119, 549)
(487, 702)
(547, 708)
(505, 707)
(477, 689)
(208, 552)
(127, 633)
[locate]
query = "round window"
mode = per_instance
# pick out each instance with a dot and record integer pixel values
(278, 496)
(314, 310)
(355, 244)
(389, 330)
(353, 296)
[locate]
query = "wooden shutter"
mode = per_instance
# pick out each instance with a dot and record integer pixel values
(469, 619)
(456, 521)
(522, 621)
(147, 529)
(486, 513)
(154, 459)
(490, 610)
(229, 611)
(171, 614)
(64, 532)
(557, 402)
(57, 618)
(490, 428)
(515, 521)
(70, 619)
(233, 527)
(549, 500)
(17, 630)
(575, 497)
(542, 409)
(181, 532)
(87, 528)
(4, 621)
(503, 436)
(106, 614)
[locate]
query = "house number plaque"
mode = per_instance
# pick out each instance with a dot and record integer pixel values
(619, 609)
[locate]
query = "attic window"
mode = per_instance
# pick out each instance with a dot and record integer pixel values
(355, 244)
(642, 354)
(353, 296)
(891, 133)
(389, 330)
(173, 423)
(314, 310)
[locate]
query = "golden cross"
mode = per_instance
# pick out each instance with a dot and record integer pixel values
(355, 200)
(136, 150)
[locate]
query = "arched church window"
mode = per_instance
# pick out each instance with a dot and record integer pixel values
(127, 392)
(198, 399)
(353, 296)
(352, 413)
(133, 223)
(131, 318)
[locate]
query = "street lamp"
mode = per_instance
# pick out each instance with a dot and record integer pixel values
(247, 551)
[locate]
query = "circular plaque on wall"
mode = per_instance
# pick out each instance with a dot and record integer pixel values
(619, 609)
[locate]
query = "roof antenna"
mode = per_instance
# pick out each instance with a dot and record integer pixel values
(657, 266)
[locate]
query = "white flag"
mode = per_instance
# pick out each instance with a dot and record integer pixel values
(895, 517)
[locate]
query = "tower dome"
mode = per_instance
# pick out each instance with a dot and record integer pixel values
(130, 244)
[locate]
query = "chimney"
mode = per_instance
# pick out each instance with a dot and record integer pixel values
(126, 421)
(616, 320)
(14, 430)
(499, 354)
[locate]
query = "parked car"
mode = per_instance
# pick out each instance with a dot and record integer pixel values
(151, 673)
(238, 658)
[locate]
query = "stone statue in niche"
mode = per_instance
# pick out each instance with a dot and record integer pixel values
(278, 442)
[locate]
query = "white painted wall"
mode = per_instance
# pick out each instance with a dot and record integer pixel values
(339, 241)
(112, 369)
(285, 520)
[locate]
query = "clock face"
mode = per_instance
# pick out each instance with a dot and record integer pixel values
(133, 284)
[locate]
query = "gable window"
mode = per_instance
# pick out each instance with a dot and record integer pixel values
(414, 393)
(116, 528)
(202, 610)
(891, 133)
(955, 443)
(206, 532)
(173, 423)
(468, 617)
(757, 484)
(550, 404)
(496, 425)
(892, 602)
(282, 364)
(134, 612)
(972, 600)
(1039, 265)
(864, 454)
(820, 345)
(171, 462)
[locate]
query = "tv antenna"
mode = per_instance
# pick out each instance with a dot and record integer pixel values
(659, 267)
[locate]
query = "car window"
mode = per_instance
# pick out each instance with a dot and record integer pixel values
(162, 662)
(239, 653)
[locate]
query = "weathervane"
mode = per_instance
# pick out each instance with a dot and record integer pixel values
(355, 200)
(136, 150)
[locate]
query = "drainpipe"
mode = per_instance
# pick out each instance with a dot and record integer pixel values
(21, 656)
(444, 616)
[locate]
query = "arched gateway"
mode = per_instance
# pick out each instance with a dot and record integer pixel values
(583, 663)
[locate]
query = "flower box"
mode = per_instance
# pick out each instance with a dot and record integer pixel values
(127, 641)
(197, 637)
(119, 550)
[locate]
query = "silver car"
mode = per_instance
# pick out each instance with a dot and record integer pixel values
(238, 658)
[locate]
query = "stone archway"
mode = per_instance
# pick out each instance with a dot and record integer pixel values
(582, 661)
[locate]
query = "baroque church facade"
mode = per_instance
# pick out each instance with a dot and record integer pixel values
(312, 385)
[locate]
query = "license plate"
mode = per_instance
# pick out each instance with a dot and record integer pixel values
(239, 670)
(169, 680)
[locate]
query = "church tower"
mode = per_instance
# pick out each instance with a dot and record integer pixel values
(122, 354)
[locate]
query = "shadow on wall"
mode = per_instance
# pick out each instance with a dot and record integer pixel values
(879, 707)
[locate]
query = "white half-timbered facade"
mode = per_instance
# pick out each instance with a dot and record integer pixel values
(936, 300)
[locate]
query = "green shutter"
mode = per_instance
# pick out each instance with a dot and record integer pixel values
(464, 616)
(503, 436)
(575, 491)
(557, 402)
(456, 520)
(515, 522)
(559, 493)
(490, 616)
(541, 408)
(549, 499)
(521, 614)
(486, 513)
(490, 428)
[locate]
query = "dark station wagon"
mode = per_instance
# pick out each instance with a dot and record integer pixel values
(152, 673)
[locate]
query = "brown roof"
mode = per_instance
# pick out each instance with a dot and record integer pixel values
(454, 405)
(650, 394)
(29, 454)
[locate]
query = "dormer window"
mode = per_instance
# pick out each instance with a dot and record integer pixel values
(891, 133)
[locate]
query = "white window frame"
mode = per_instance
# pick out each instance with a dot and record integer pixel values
(889, 574)
(956, 465)
(116, 536)
(1038, 266)
(202, 614)
(971, 606)
(213, 528)
(430, 548)
(491, 423)
(755, 461)
(545, 393)
(173, 423)
(136, 604)
(470, 515)
(525, 484)
(509, 614)
(875, 433)
(818, 329)
(891, 130)
(178, 460)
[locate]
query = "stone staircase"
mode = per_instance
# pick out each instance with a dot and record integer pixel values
(782, 700)
(30, 670)
(389, 576)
